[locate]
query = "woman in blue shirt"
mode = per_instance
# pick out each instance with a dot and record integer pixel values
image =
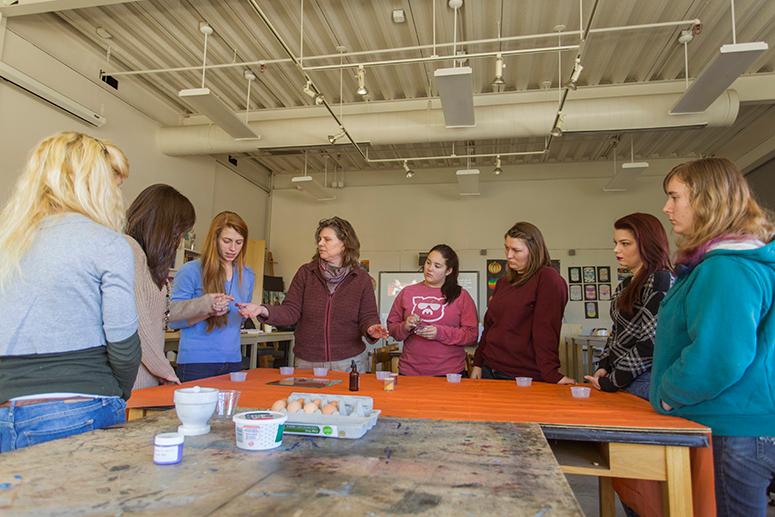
(211, 345)
(714, 361)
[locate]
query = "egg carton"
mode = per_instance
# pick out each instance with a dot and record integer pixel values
(357, 416)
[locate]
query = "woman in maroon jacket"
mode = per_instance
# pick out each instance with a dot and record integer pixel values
(522, 325)
(331, 301)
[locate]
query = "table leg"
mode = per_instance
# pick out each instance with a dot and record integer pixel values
(253, 355)
(291, 342)
(606, 495)
(678, 485)
(135, 414)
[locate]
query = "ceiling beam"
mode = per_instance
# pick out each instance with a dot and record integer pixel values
(25, 7)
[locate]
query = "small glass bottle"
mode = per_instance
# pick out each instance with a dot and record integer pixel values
(355, 381)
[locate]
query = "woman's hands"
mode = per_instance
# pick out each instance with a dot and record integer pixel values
(219, 303)
(377, 331)
(566, 380)
(251, 310)
(476, 372)
(428, 332)
(411, 322)
(593, 379)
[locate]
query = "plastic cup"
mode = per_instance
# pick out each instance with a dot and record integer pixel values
(227, 404)
(286, 370)
(382, 375)
(454, 378)
(580, 392)
(389, 383)
(524, 382)
(320, 372)
(238, 376)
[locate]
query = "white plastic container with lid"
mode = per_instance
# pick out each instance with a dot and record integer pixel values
(168, 448)
(259, 430)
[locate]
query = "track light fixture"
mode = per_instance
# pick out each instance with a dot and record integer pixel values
(557, 129)
(409, 172)
(313, 94)
(498, 84)
(361, 76)
(333, 138)
(497, 170)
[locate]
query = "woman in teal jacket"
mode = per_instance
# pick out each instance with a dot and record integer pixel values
(714, 359)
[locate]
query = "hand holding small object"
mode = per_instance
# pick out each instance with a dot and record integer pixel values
(427, 332)
(377, 331)
(411, 322)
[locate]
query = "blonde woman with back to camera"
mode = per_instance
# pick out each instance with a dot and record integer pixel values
(64, 261)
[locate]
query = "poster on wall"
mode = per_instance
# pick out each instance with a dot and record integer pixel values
(590, 292)
(604, 292)
(574, 292)
(574, 275)
(589, 274)
(603, 274)
(590, 310)
(495, 270)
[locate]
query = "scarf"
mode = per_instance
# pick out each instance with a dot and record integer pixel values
(333, 275)
(689, 260)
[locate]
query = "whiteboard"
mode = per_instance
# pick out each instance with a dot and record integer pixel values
(391, 283)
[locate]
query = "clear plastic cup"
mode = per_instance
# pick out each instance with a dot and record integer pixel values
(227, 404)
(524, 382)
(320, 372)
(580, 392)
(238, 376)
(389, 383)
(286, 370)
(382, 375)
(454, 378)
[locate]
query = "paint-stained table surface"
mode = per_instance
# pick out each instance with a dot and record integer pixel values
(401, 466)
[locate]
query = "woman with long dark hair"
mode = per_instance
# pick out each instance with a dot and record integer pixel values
(522, 325)
(210, 345)
(155, 224)
(640, 244)
(435, 318)
(714, 361)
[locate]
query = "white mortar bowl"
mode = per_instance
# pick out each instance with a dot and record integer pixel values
(194, 407)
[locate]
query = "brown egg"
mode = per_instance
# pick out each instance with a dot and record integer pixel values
(309, 407)
(334, 403)
(329, 409)
(279, 405)
(317, 402)
(294, 406)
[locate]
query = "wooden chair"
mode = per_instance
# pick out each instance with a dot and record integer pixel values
(382, 356)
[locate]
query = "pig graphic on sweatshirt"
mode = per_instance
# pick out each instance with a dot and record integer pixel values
(429, 308)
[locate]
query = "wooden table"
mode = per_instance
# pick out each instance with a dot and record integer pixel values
(399, 467)
(610, 435)
(247, 339)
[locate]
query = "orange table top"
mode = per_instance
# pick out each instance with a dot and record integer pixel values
(435, 398)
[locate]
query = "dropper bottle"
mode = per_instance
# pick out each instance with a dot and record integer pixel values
(355, 380)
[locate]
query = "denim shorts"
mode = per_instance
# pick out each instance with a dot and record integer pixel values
(22, 426)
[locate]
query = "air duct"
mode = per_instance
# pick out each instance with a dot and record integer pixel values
(403, 122)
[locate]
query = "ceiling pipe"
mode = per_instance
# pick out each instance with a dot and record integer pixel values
(423, 125)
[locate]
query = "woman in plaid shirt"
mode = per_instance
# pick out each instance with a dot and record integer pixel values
(641, 246)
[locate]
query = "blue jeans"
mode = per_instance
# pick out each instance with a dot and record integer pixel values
(196, 371)
(22, 426)
(489, 373)
(744, 467)
(640, 385)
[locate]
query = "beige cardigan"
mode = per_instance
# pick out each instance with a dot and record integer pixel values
(151, 304)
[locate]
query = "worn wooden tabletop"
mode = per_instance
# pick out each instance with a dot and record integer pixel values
(401, 466)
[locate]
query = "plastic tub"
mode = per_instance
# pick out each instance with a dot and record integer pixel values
(454, 378)
(524, 382)
(580, 392)
(286, 370)
(227, 404)
(259, 430)
(238, 376)
(382, 375)
(320, 372)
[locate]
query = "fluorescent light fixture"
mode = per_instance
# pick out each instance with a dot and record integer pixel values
(468, 182)
(53, 97)
(456, 89)
(627, 177)
(311, 187)
(208, 104)
(731, 62)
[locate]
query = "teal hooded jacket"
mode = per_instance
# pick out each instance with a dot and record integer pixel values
(714, 357)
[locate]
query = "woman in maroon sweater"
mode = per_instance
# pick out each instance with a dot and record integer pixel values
(331, 301)
(522, 325)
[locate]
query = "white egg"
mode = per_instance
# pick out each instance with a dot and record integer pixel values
(279, 405)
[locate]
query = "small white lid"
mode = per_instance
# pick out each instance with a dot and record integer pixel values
(168, 439)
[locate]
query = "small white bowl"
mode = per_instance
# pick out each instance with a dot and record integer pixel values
(580, 392)
(320, 372)
(238, 376)
(524, 382)
(454, 378)
(286, 370)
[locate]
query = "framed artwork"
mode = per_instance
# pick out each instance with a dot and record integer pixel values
(604, 292)
(589, 273)
(590, 310)
(590, 292)
(575, 293)
(574, 275)
(365, 264)
(495, 270)
(603, 274)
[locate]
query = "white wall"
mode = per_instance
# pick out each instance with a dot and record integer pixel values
(762, 182)
(395, 222)
(25, 120)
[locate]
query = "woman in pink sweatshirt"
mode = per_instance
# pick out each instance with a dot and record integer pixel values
(435, 318)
